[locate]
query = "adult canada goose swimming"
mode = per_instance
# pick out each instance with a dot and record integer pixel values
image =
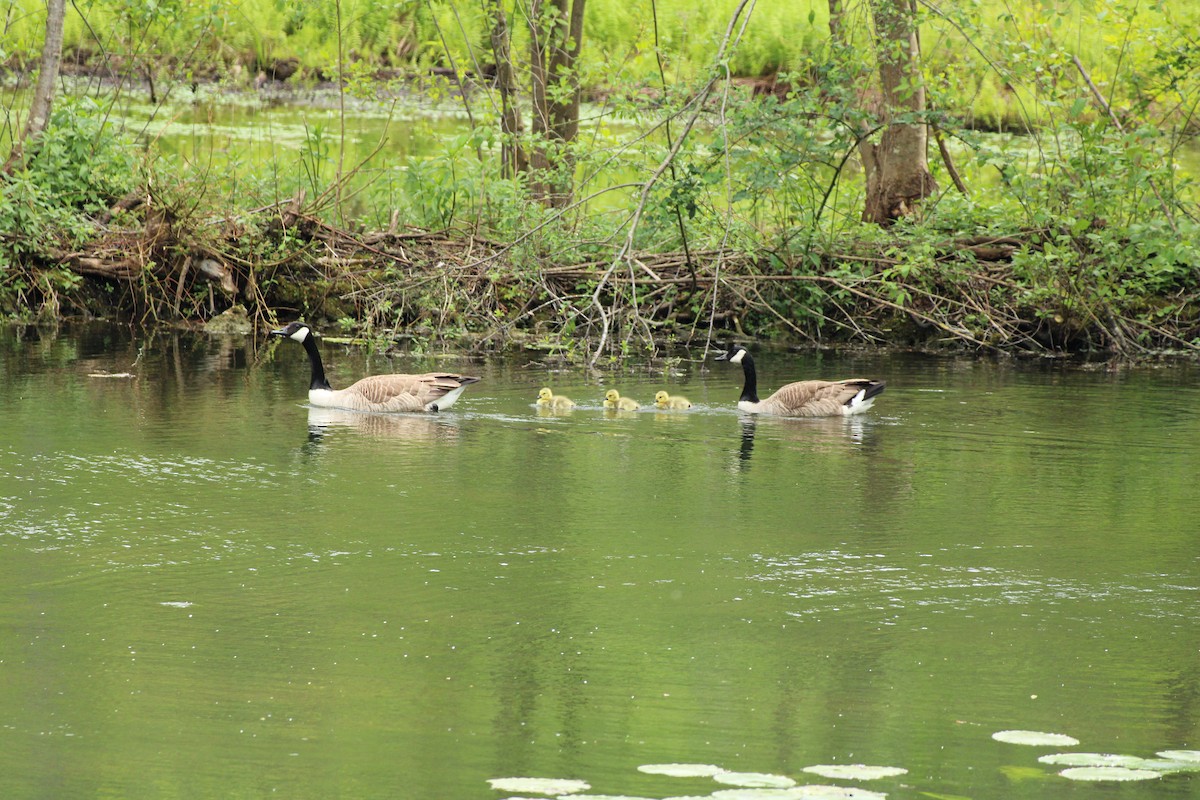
(557, 402)
(803, 398)
(664, 400)
(613, 399)
(432, 391)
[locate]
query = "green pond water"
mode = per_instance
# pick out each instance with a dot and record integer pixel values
(208, 590)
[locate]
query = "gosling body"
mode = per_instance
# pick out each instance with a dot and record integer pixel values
(426, 392)
(613, 400)
(666, 401)
(803, 398)
(554, 402)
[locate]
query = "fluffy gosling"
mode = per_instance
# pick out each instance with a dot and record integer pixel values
(555, 402)
(664, 400)
(613, 399)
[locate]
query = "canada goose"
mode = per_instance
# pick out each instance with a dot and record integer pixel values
(613, 399)
(432, 391)
(557, 402)
(803, 398)
(664, 400)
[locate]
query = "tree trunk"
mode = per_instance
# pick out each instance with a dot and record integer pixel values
(43, 93)
(897, 170)
(556, 35)
(512, 154)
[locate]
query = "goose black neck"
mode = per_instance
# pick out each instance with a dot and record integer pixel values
(318, 369)
(750, 390)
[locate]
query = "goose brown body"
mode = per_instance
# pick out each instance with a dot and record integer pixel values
(430, 391)
(804, 398)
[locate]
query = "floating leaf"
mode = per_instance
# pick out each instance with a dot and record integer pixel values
(1109, 774)
(855, 772)
(681, 770)
(754, 780)
(1180, 755)
(1036, 738)
(819, 792)
(1090, 760)
(1107, 760)
(756, 794)
(554, 786)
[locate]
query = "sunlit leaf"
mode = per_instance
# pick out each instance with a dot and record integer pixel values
(855, 772)
(754, 780)
(1035, 738)
(1109, 760)
(1109, 774)
(552, 786)
(681, 770)
(821, 792)
(756, 794)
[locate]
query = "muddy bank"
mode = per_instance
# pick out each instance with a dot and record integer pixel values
(282, 263)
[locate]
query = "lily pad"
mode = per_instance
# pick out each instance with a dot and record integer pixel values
(681, 770)
(1035, 738)
(756, 794)
(855, 772)
(548, 786)
(754, 780)
(820, 792)
(1108, 760)
(1180, 755)
(1109, 774)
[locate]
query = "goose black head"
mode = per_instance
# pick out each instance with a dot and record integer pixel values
(296, 330)
(733, 355)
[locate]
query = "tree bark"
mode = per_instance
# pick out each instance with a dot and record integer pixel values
(43, 93)
(896, 167)
(512, 153)
(555, 40)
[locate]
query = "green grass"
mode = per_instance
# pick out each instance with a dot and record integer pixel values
(978, 54)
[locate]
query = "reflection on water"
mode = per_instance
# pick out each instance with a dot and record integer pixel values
(192, 562)
(822, 434)
(410, 427)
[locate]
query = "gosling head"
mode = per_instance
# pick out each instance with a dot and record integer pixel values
(297, 331)
(612, 395)
(661, 398)
(545, 395)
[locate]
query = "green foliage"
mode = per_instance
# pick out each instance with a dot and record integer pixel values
(76, 168)
(1103, 208)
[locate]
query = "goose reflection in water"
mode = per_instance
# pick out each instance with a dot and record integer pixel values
(822, 434)
(410, 427)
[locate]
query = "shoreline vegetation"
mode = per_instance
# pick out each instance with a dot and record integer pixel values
(712, 189)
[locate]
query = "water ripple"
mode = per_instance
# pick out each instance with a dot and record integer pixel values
(838, 582)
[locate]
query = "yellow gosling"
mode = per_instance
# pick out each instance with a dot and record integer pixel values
(664, 400)
(613, 399)
(557, 402)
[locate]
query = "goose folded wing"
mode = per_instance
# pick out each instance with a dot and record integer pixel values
(406, 392)
(818, 398)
